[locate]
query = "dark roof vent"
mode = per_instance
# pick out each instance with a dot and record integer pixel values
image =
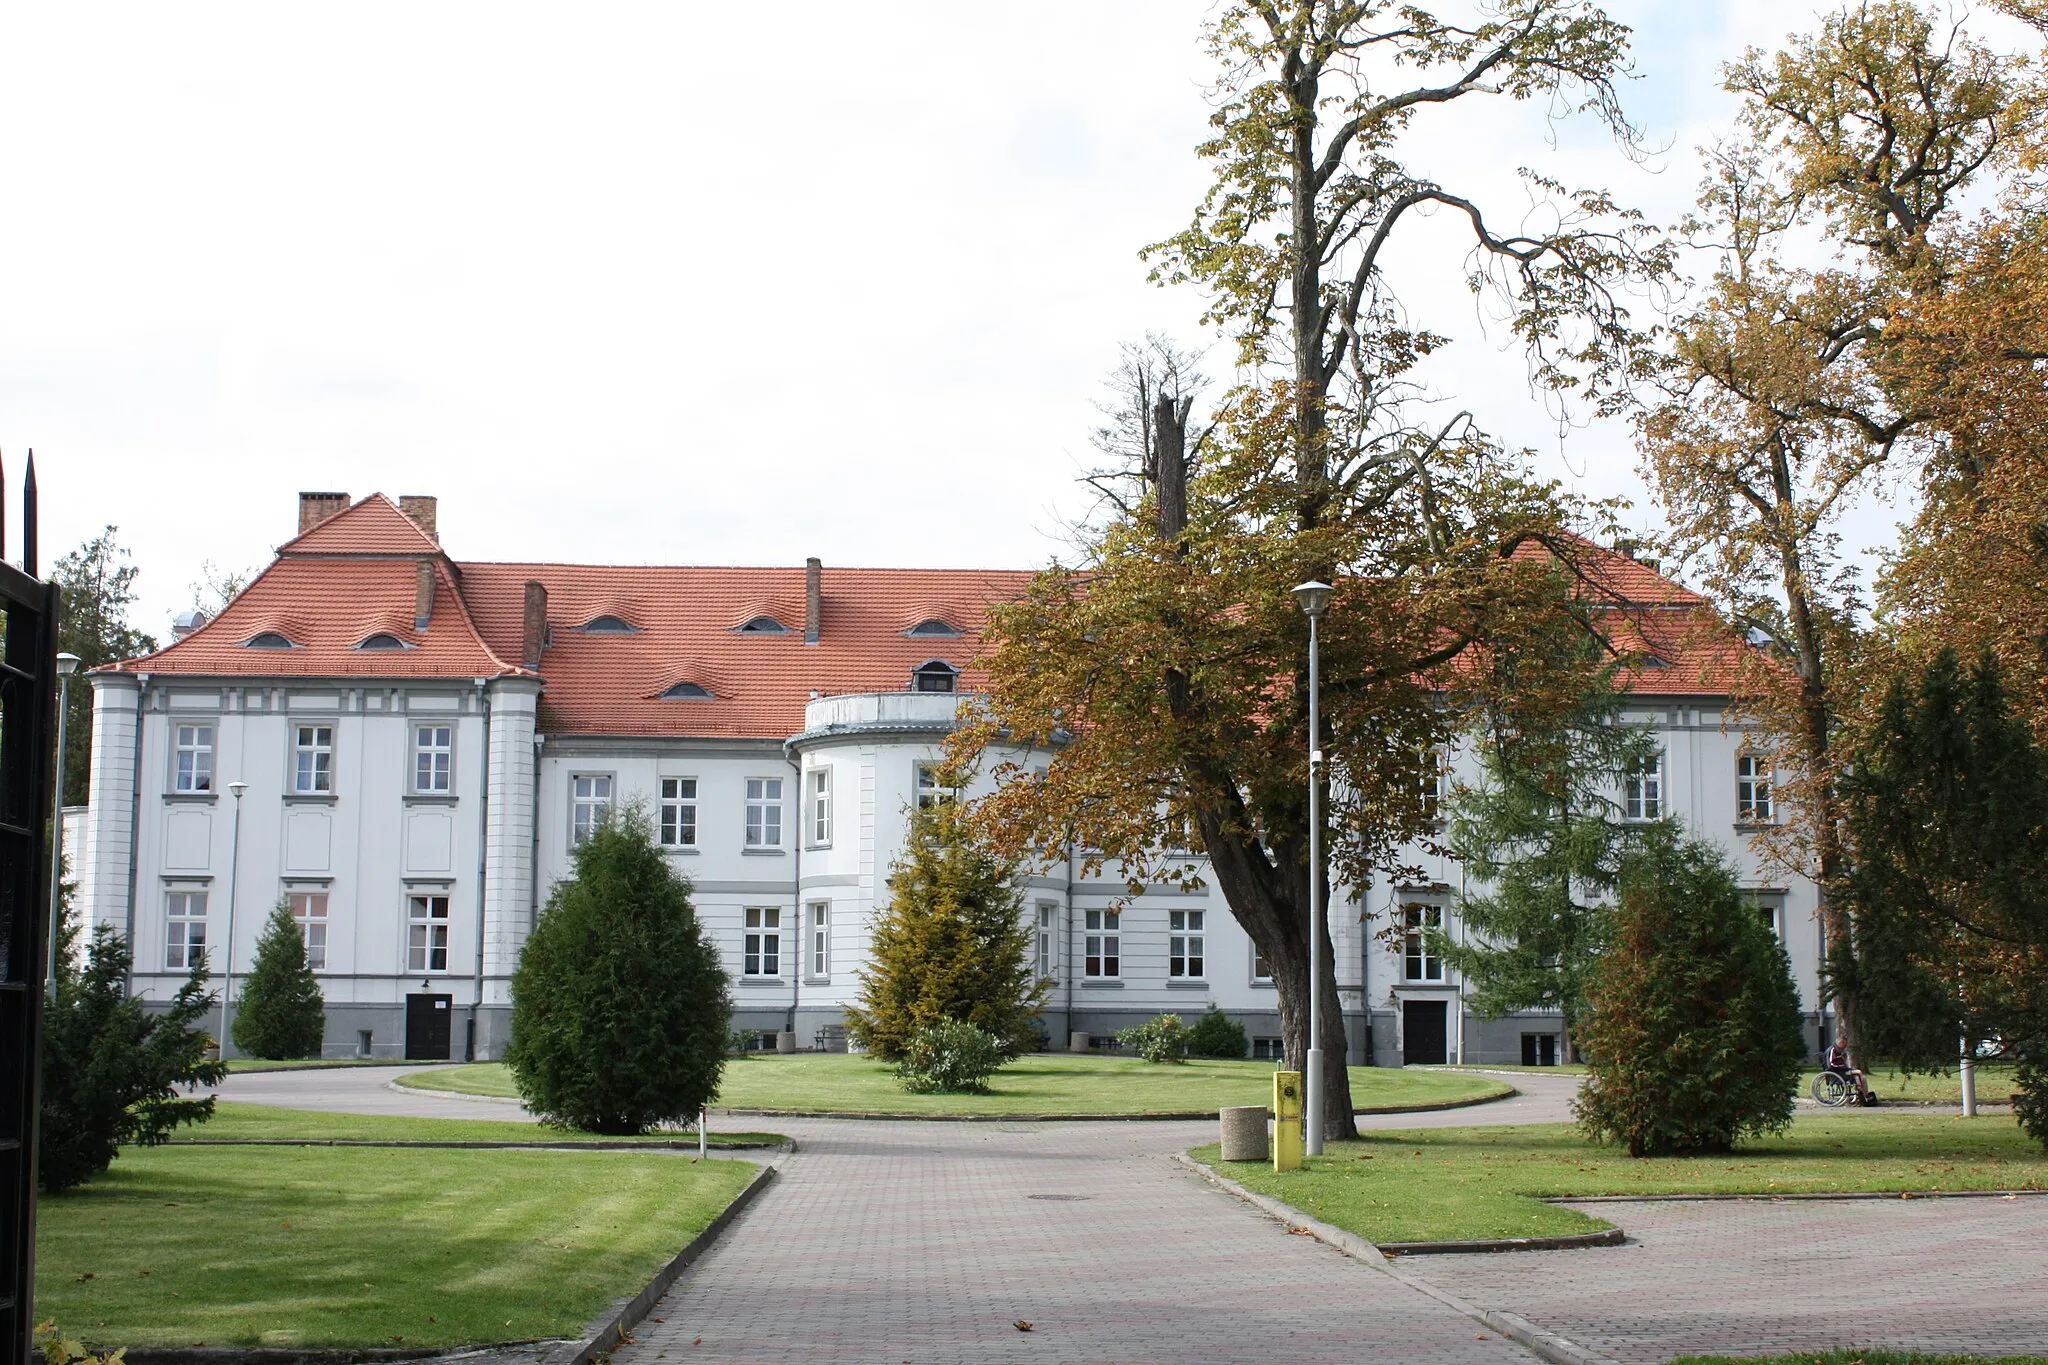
(686, 691)
(268, 639)
(764, 625)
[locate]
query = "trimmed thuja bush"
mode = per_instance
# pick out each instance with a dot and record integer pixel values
(281, 1014)
(1693, 1034)
(952, 944)
(1217, 1035)
(620, 1008)
(949, 1057)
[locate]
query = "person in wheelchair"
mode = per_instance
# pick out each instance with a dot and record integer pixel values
(1835, 1062)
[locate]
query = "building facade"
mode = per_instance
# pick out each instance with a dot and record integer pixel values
(405, 749)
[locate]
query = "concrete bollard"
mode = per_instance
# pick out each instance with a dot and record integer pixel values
(1077, 1042)
(785, 1041)
(1244, 1132)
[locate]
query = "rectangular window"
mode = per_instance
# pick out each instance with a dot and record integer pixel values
(764, 812)
(433, 759)
(309, 911)
(764, 942)
(195, 759)
(678, 812)
(930, 792)
(1184, 943)
(1419, 963)
(1642, 789)
(185, 943)
(1268, 1050)
(1105, 944)
(1753, 789)
(426, 944)
(590, 800)
(312, 759)
(821, 807)
(821, 941)
(1434, 783)
(1770, 910)
(1262, 970)
(1048, 917)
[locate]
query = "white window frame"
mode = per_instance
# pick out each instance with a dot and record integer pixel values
(311, 776)
(764, 812)
(1642, 789)
(195, 775)
(422, 941)
(1047, 935)
(184, 910)
(308, 905)
(821, 940)
(761, 947)
(1103, 946)
(818, 793)
(588, 808)
(1417, 963)
(1185, 960)
(929, 791)
(1754, 798)
(1262, 971)
(678, 827)
(1434, 783)
(433, 758)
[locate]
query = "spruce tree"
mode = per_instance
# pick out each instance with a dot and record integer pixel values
(281, 1015)
(620, 1006)
(951, 945)
(1692, 1033)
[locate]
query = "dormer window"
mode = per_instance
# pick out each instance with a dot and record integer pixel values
(268, 639)
(687, 691)
(1652, 661)
(383, 639)
(936, 675)
(933, 626)
(764, 625)
(609, 625)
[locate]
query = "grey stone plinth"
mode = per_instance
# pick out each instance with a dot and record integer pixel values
(1244, 1132)
(785, 1041)
(1077, 1042)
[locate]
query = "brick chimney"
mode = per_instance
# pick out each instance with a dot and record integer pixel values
(424, 511)
(423, 594)
(814, 598)
(533, 631)
(315, 508)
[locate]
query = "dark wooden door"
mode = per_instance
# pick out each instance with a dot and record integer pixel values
(1425, 1033)
(427, 1027)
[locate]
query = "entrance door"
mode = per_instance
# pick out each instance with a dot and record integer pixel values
(1425, 1033)
(1539, 1049)
(427, 1029)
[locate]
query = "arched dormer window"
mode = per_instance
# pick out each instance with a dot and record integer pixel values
(763, 625)
(268, 639)
(609, 625)
(383, 639)
(934, 675)
(933, 627)
(1652, 661)
(687, 691)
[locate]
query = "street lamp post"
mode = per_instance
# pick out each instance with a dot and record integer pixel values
(1314, 597)
(227, 990)
(67, 664)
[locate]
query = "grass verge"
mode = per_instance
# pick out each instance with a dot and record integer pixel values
(1451, 1184)
(1994, 1085)
(261, 1123)
(241, 1065)
(265, 1246)
(820, 1083)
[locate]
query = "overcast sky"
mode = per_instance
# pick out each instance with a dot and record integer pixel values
(664, 282)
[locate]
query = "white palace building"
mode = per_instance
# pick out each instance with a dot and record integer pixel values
(405, 748)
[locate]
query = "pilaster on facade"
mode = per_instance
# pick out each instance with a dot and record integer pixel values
(509, 830)
(106, 859)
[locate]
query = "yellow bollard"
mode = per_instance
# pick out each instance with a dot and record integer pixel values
(1287, 1120)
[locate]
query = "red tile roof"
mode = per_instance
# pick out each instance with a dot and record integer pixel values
(373, 526)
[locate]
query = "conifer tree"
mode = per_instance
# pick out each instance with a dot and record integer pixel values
(281, 1014)
(620, 1006)
(951, 945)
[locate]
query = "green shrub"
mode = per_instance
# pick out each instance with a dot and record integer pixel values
(281, 1015)
(620, 1008)
(950, 1057)
(952, 944)
(1162, 1038)
(2030, 1089)
(1217, 1035)
(1693, 1034)
(112, 1070)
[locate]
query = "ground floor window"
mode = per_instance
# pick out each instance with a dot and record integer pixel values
(1047, 919)
(1105, 944)
(185, 941)
(1184, 943)
(426, 945)
(764, 942)
(1268, 1050)
(821, 940)
(309, 912)
(1419, 963)
(1539, 1049)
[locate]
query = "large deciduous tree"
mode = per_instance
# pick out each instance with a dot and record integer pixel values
(1170, 664)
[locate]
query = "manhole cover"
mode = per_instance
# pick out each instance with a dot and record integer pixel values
(1060, 1198)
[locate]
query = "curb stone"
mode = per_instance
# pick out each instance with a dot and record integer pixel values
(1547, 1345)
(688, 1144)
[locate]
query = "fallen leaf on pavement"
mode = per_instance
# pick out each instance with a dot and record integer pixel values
(1021, 1325)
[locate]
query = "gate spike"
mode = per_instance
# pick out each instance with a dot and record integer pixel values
(28, 517)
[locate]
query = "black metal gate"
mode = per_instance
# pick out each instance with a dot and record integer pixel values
(28, 691)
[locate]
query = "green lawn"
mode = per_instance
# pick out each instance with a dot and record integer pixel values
(1994, 1084)
(238, 1065)
(1454, 1183)
(274, 1246)
(263, 1123)
(823, 1082)
(1859, 1357)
